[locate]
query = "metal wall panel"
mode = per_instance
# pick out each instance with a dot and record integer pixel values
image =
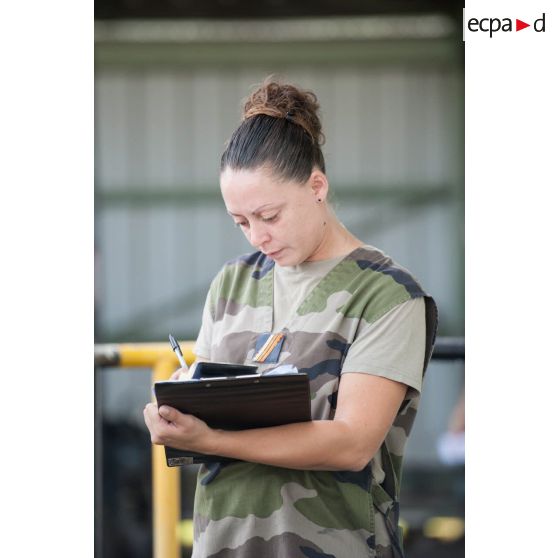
(383, 126)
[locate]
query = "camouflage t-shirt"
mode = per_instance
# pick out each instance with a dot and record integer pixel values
(248, 510)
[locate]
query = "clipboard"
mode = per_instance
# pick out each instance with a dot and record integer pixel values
(235, 403)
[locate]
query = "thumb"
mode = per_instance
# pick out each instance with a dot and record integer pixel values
(168, 413)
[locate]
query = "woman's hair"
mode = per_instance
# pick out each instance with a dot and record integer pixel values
(280, 130)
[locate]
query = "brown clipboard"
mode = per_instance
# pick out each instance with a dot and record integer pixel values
(235, 403)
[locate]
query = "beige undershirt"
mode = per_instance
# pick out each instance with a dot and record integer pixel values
(291, 285)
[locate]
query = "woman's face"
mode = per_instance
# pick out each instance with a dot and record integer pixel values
(283, 219)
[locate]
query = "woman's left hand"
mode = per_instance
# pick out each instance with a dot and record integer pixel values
(172, 428)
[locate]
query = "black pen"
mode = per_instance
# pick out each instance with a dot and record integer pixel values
(176, 348)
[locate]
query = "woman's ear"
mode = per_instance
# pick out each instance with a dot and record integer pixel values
(319, 185)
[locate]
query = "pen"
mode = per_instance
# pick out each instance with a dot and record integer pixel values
(176, 348)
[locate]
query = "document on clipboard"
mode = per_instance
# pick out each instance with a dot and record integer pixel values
(235, 403)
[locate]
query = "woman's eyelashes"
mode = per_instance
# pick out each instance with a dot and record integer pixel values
(271, 218)
(266, 219)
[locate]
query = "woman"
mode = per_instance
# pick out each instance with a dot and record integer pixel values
(343, 312)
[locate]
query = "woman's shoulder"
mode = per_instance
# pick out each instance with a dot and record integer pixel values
(252, 266)
(255, 264)
(380, 284)
(375, 266)
(368, 257)
(256, 260)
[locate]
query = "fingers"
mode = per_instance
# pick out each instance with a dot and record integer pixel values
(168, 413)
(149, 415)
(170, 427)
(157, 425)
(163, 415)
(153, 415)
(176, 374)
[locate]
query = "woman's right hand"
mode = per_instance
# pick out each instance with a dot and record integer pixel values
(186, 373)
(181, 374)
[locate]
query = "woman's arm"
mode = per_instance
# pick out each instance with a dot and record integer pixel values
(366, 408)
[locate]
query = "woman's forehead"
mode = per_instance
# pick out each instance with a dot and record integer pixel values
(247, 178)
(252, 191)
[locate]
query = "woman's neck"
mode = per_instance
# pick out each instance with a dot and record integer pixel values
(336, 241)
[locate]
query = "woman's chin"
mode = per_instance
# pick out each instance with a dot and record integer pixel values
(282, 257)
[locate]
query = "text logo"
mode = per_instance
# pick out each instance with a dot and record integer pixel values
(496, 25)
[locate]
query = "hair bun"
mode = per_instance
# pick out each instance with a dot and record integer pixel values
(284, 100)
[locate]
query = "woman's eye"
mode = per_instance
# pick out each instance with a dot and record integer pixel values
(270, 219)
(241, 223)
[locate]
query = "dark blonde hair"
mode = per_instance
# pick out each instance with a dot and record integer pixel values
(281, 130)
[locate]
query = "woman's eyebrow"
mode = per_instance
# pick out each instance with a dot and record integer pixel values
(257, 210)
(261, 208)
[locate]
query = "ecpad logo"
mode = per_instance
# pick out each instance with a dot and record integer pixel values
(494, 25)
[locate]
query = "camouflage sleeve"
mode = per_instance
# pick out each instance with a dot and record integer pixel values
(392, 346)
(203, 345)
(202, 348)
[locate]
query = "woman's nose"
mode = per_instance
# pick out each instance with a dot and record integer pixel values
(258, 235)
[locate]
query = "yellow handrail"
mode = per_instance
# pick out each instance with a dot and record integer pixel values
(166, 480)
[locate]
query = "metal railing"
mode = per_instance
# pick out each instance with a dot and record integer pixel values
(166, 480)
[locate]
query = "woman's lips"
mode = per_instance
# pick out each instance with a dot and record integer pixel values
(273, 254)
